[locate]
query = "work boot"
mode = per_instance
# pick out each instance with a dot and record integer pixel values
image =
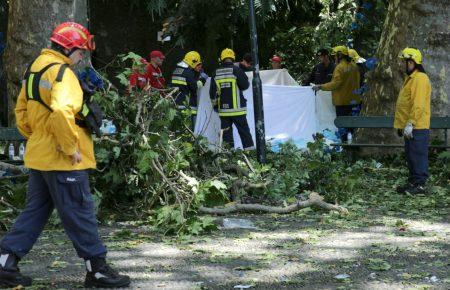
(415, 189)
(101, 275)
(402, 188)
(10, 275)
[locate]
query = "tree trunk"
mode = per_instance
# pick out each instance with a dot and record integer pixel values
(3, 96)
(415, 23)
(30, 24)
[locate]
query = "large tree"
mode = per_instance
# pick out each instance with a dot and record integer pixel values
(414, 23)
(30, 24)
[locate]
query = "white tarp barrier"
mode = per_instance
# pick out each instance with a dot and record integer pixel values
(325, 112)
(290, 112)
(279, 77)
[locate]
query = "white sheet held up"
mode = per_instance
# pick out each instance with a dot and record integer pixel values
(289, 113)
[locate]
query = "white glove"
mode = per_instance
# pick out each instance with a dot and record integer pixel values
(316, 88)
(408, 131)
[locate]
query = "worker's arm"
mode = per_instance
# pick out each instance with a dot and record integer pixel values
(191, 83)
(420, 91)
(213, 89)
(66, 101)
(241, 79)
(22, 115)
(336, 81)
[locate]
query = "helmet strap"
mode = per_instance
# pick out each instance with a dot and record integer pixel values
(409, 72)
(71, 51)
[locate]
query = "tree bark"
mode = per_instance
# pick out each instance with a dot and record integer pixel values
(409, 23)
(30, 23)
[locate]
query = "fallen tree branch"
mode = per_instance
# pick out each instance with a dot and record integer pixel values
(165, 178)
(314, 200)
(13, 176)
(13, 168)
(248, 163)
(8, 205)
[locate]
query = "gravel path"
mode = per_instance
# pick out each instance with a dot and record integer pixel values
(301, 251)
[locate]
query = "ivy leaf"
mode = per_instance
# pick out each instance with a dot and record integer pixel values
(217, 184)
(116, 151)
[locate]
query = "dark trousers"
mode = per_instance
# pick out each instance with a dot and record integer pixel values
(416, 150)
(242, 126)
(193, 120)
(69, 193)
(345, 110)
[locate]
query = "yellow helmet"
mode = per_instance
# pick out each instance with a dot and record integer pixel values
(353, 54)
(411, 53)
(227, 53)
(339, 49)
(192, 58)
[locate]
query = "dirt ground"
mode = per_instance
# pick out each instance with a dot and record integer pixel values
(305, 250)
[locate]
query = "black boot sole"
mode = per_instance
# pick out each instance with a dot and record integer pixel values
(92, 284)
(10, 284)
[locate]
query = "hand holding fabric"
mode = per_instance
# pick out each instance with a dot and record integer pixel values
(316, 88)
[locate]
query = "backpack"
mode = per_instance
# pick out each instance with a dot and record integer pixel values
(90, 113)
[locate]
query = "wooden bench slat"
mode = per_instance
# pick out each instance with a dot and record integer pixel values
(383, 145)
(10, 134)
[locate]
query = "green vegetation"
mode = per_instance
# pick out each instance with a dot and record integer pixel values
(156, 171)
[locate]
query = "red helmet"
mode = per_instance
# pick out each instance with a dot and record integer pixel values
(73, 35)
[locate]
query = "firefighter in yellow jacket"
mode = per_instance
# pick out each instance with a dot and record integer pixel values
(412, 120)
(59, 152)
(343, 85)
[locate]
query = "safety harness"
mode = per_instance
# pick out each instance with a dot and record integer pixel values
(90, 112)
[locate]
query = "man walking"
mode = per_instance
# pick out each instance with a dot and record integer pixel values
(59, 153)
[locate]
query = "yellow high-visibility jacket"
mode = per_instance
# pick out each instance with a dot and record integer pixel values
(345, 81)
(413, 103)
(54, 136)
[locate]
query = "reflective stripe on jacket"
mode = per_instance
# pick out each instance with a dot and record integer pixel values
(185, 79)
(227, 86)
(54, 136)
(413, 103)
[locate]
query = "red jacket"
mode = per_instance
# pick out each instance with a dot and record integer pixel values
(155, 77)
(138, 80)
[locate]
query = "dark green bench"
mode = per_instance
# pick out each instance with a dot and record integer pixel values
(380, 122)
(10, 134)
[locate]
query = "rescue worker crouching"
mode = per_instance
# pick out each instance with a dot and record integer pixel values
(412, 120)
(58, 154)
(226, 91)
(343, 86)
(185, 77)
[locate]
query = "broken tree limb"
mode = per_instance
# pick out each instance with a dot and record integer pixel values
(248, 163)
(13, 176)
(314, 200)
(13, 168)
(8, 205)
